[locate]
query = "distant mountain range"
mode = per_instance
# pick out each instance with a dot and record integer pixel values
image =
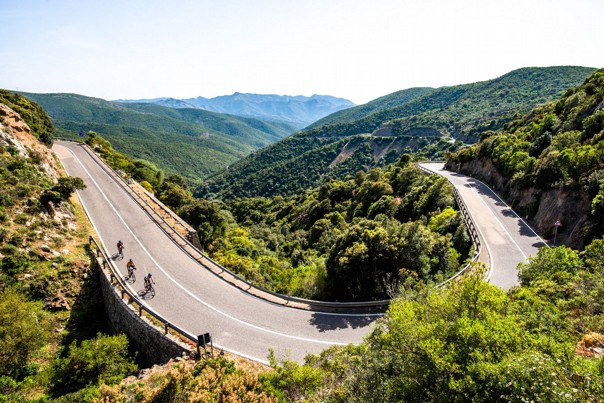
(422, 121)
(297, 111)
(193, 143)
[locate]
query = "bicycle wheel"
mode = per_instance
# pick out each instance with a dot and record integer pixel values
(132, 276)
(152, 291)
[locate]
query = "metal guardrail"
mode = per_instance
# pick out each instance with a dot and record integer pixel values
(467, 217)
(117, 279)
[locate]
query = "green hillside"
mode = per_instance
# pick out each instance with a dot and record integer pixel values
(421, 121)
(550, 163)
(461, 111)
(36, 118)
(358, 112)
(193, 143)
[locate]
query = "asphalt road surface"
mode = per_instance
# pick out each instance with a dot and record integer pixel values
(506, 238)
(191, 296)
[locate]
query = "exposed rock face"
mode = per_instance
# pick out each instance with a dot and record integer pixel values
(542, 208)
(571, 208)
(15, 132)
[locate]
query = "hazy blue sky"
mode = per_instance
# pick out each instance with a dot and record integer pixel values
(356, 49)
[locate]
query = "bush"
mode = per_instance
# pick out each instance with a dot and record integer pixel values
(62, 191)
(24, 329)
(100, 360)
(558, 264)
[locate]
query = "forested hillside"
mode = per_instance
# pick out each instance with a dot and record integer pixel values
(393, 100)
(191, 142)
(350, 240)
(550, 163)
(426, 122)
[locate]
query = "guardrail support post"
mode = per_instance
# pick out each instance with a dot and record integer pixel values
(166, 324)
(140, 310)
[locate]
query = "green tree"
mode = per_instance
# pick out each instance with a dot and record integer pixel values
(174, 195)
(62, 191)
(147, 171)
(360, 260)
(558, 264)
(207, 218)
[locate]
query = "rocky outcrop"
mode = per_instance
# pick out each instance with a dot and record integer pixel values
(568, 206)
(14, 132)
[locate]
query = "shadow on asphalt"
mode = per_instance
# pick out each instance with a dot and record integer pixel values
(143, 294)
(326, 322)
(487, 192)
(523, 229)
(539, 244)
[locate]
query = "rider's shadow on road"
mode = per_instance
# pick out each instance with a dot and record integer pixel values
(117, 256)
(143, 294)
(325, 322)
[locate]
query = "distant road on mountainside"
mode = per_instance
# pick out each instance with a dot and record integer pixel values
(191, 296)
(506, 238)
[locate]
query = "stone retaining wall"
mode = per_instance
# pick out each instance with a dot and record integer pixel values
(152, 344)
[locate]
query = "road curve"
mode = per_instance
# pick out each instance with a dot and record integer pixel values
(506, 238)
(192, 297)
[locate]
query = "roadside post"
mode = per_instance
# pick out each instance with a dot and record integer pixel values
(556, 225)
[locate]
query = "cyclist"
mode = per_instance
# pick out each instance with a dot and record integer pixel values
(120, 247)
(130, 266)
(148, 281)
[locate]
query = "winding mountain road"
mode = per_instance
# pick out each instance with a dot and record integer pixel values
(191, 296)
(506, 238)
(198, 301)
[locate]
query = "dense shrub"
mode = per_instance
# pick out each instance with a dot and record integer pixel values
(103, 360)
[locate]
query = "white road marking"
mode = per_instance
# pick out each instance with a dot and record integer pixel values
(503, 227)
